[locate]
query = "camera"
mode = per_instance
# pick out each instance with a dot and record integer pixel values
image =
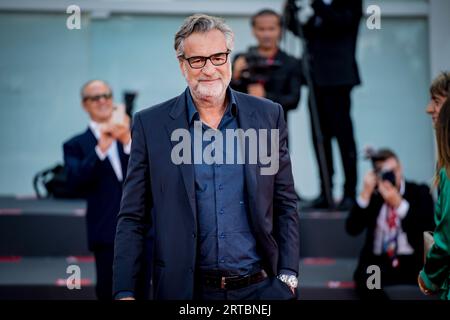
(259, 69)
(377, 156)
(128, 98)
(118, 115)
(387, 175)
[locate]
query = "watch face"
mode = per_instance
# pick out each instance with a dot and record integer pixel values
(291, 281)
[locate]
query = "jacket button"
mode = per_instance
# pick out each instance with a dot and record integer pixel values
(194, 235)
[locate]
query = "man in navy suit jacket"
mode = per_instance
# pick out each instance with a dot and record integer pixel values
(226, 225)
(96, 163)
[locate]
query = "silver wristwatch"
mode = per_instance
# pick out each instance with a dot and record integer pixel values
(290, 280)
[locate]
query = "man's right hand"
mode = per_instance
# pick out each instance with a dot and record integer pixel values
(121, 131)
(370, 182)
(106, 138)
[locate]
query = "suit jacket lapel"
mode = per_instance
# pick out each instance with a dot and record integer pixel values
(91, 140)
(178, 115)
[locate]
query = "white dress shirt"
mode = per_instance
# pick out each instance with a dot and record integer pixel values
(382, 228)
(112, 153)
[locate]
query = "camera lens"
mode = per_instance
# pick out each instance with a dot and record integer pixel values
(388, 176)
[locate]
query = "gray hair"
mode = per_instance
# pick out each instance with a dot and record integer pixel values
(201, 23)
(87, 84)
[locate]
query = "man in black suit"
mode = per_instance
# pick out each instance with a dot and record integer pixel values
(395, 214)
(331, 34)
(226, 226)
(96, 164)
(266, 70)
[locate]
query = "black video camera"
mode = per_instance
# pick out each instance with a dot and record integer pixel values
(259, 69)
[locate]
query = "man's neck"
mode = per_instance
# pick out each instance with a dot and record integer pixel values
(211, 110)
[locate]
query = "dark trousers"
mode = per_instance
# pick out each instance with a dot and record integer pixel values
(104, 257)
(333, 108)
(268, 289)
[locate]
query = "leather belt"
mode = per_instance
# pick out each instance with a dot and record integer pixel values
(233, 282)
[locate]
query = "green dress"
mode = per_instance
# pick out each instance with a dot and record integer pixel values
(436, 271)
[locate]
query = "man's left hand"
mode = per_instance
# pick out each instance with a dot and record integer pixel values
(390, 194)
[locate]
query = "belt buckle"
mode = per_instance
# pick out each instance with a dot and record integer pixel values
(222, 283)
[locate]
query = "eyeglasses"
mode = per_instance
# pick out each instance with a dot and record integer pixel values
(199, 62)
(96, 98)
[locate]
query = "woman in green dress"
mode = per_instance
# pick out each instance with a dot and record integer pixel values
(435, 275)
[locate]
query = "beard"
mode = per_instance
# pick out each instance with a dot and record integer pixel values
(215, 90)
(207, 90)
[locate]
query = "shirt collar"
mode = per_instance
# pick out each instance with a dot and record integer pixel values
(402, 187)
(231, 110)
(95, 128)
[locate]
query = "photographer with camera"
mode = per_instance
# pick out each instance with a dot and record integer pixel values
(395, 213)
(266, 70)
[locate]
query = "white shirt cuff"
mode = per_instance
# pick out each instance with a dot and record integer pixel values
(403, 208)
(127, 148)
(362, 203)
(102, 156)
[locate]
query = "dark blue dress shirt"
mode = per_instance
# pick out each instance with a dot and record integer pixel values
(225, 238)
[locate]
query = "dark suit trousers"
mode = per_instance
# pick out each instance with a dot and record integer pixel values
(103, 264)
(104, 256)
(333, 107)
(268, 289)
